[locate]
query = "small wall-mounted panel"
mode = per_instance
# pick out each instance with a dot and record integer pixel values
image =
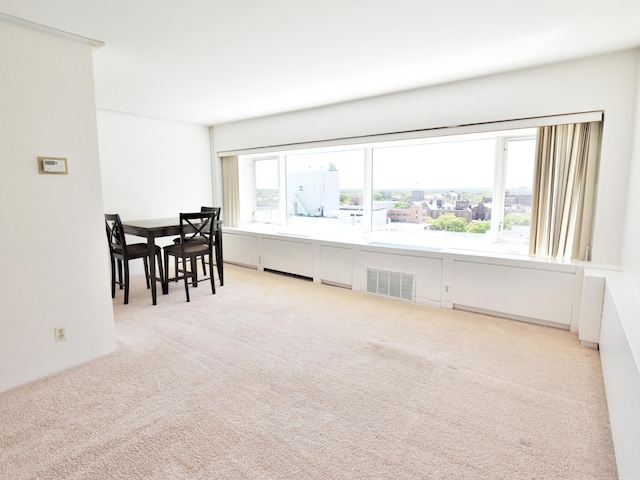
(336, 265)
(52, 165)
(240, 249)
(524, 292)
(287, 256)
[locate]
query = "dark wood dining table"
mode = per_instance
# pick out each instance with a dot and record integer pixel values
(165, 227)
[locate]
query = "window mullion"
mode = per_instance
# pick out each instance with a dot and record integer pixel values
(497, 209)
(282, 190)
(368, 189)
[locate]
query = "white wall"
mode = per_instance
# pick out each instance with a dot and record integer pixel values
(619, 352)
(600, 83)
(53, 262)
(631, 252)
(620, 330)
(153, 168)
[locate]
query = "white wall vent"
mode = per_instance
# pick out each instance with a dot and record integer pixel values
(390, 284)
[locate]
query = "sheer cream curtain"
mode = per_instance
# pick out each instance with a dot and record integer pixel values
(564, 190)
(230, 191)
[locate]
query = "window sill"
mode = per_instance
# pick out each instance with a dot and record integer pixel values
(437, 242)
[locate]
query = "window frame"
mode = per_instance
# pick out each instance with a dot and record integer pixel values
(500, 186)
(254, 187)
(369, 143)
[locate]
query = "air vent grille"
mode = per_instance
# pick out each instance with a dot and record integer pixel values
(390, 283)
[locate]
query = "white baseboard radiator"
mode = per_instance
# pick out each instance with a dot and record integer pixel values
(390, 284)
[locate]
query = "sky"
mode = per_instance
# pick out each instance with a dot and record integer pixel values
(441, 163)
(436, 165)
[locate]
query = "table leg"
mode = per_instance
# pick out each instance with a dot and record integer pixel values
(152, 264)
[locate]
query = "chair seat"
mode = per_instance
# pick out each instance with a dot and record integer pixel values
(137, 250)
(191, 248)
(194, 240)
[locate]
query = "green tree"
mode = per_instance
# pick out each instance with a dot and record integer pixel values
(511, 219)
(479, 226)
(401, 205)
(378, 197)
(345, 198)
(450, 223)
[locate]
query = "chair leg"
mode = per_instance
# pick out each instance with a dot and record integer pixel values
(146, 271)
(211, 275)
(126, 282)
(186, 277)
(219, 264)
(160, 270)
(193, 263)
(120, 282)
(165, 282)
(113, 278)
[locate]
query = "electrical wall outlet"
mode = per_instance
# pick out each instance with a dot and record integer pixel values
(60, 333)
(447, 292)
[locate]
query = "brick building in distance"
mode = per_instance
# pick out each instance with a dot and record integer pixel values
(435, 206)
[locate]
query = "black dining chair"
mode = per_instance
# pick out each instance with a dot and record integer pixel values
(121, 253)
(216, 220)
(197, 231)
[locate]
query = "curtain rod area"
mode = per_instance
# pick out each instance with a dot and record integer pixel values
(582, 117)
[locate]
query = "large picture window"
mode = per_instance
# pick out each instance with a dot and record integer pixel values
(467, 191)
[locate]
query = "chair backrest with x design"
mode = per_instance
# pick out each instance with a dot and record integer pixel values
(115, 235)
(215, 210)
(197, 231)
(197, 227)
(216, 216)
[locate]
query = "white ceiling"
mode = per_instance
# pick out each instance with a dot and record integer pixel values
(215, 61)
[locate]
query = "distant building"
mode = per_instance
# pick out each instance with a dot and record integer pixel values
(434, 212)
(525, 200)
(417, 196)
(481, 211)
(435, 205)
(462, 204)
(314, 193)
(413, 214)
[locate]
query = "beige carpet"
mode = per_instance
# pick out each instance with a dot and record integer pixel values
(278, 378)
